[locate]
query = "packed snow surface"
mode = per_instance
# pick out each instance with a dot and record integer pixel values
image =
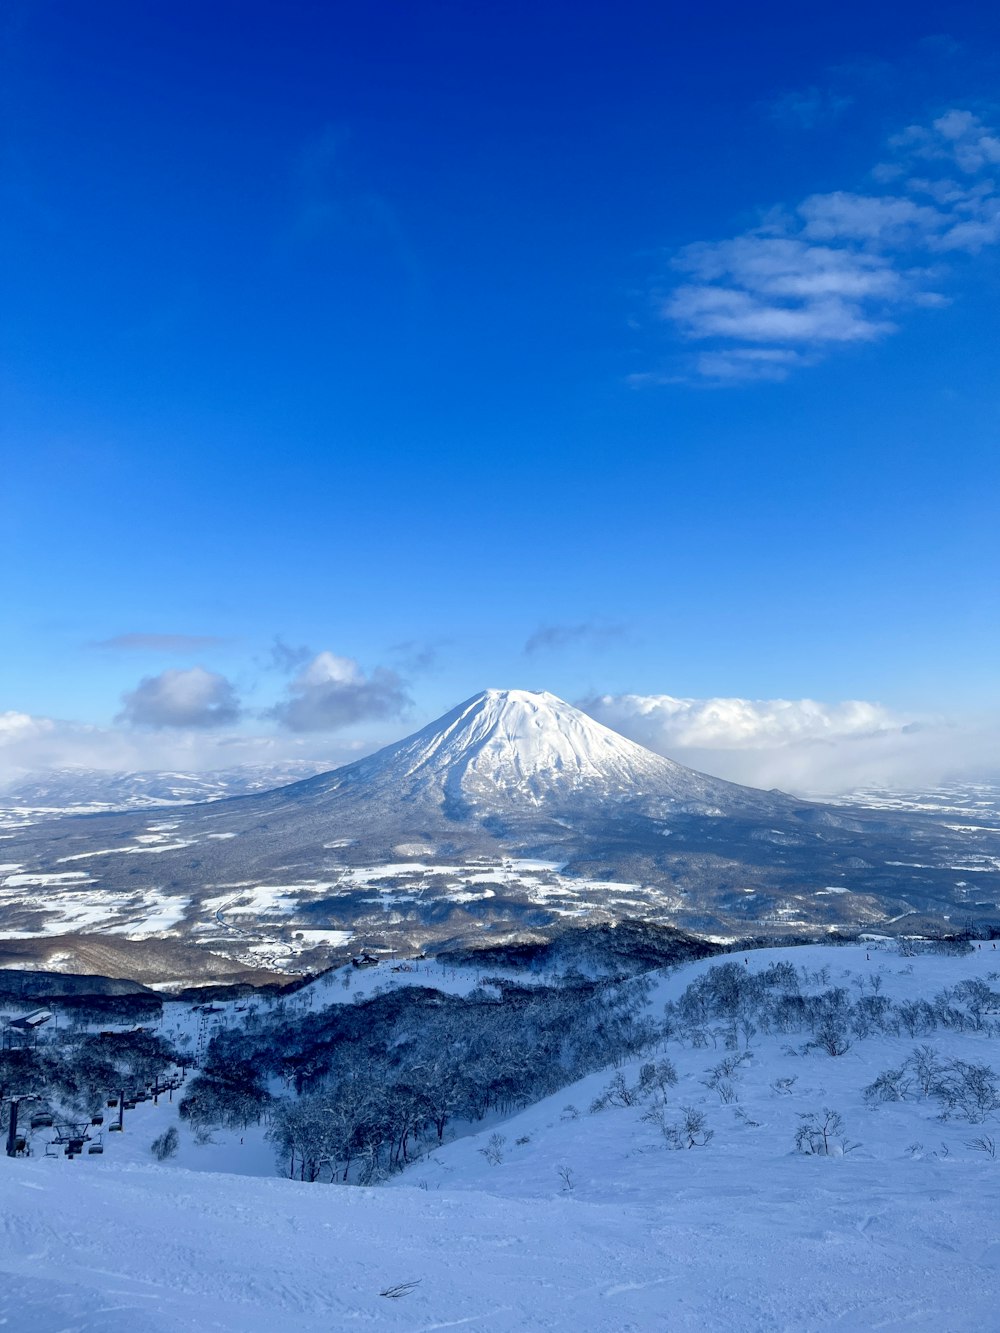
(584, 1223)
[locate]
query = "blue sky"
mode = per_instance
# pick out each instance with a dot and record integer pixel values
(358, 357)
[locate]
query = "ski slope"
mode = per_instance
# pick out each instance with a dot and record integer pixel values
(586, 1222)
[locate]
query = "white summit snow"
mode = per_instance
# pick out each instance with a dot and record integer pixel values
(529, 747)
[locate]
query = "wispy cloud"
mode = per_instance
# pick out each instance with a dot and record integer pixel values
(332, 203)
(332, 692)
(415, 656)
(159, 643)
(805, 108)
(553, 638)
(839, 268)
(286, 657)
(194, 698)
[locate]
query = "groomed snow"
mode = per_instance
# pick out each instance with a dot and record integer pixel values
(585, 1224)
(808, 1246)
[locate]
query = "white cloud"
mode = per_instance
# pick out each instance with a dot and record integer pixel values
(22, 728)
(332, 692)
(187, 720)
(958, 137)
(888, 219)
(192, 698)
(749, 363)
(31, 744)
(799, 745)
(802, 745)
(838, 268)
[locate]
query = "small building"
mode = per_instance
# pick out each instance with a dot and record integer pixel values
(31, 1022)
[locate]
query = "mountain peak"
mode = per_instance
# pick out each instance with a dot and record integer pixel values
(525, 745)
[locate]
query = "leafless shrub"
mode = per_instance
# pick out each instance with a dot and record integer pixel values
(691, 1131)
(617, 1093)
(967, 1090)
(927, 1068)
(493, 1152)
(892, 1085)
(401, 1289)
(166, 1145)
(657, 1077)
(985, 1144)
(832, 1038)
(818, 1131)
(744, 1119)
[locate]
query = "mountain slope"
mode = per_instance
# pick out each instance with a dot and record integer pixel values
(574, 1220)
(512, 812)
(519, 753)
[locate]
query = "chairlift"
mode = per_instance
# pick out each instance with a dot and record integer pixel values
(97, 1120)
(43, 1120)
(114, 1129)
(94, 1149)
(112, 1101)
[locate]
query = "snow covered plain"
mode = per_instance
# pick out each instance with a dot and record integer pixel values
(577, 1220)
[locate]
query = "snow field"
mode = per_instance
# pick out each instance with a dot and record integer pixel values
(589, 1223)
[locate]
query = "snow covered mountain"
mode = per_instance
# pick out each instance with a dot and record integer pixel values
(82, 791)
(518, 752)
(512, 813)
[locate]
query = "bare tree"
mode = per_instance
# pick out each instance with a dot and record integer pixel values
(817, 1131)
